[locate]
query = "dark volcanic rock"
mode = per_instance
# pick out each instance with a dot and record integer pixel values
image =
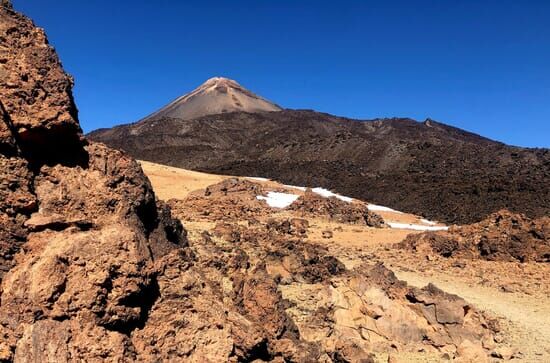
(425, 168)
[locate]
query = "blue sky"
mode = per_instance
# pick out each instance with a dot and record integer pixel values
(483, 66)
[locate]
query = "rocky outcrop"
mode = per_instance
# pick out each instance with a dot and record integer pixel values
(342, 315)
(231, 199)
(503, 236)
(37, 106)
(80, 227)
(369, 310)
(236, 199)
(312, 204)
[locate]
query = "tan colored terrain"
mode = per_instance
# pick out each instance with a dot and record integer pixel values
(177, 183)
(517, 294)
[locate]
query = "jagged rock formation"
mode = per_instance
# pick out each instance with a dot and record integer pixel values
(426, 168)
(95, 269)
(80, 228)
(338, 314)
(216, 95)
(503, 236)
(312, 204)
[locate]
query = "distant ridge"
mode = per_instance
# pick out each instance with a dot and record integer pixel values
(427, 168)
(216, 95)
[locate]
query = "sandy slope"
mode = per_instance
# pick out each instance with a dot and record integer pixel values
(176, 183)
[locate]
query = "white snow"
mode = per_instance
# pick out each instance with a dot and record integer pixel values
(425, 221)
(380, 208)
(327, 194)
(257, 178)
(278, 200)
(417, 227)
(303, 189)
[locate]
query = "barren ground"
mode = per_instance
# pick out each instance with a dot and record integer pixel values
(517, 293)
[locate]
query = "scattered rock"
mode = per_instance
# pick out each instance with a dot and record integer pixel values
(312, 204)
(327, 234)
(503, 236)
(503, 352)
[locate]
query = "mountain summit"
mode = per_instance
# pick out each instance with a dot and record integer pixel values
(216, 95)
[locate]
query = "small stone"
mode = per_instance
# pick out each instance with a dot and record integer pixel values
(470, 352)
(488, 342)
(505, 353)
(507, 288)
(459, 264)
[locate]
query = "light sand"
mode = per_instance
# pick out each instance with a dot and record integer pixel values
(169, 182)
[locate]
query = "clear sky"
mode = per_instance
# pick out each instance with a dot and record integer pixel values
(483, 66)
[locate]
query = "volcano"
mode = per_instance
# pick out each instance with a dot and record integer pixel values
(216, 95)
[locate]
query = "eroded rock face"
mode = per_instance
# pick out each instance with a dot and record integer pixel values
(503, 236)
(80, 227)
(37, 104)
(312, 204)
(339, 314)
(236, 198)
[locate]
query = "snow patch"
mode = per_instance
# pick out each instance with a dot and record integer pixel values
(417, 227)
(278, 200)
(327, 194)
(303, 189)
(425, 221)
(257, 178)
(380, 208)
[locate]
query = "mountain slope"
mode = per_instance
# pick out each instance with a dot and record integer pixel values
(428, 168)
(216, 95)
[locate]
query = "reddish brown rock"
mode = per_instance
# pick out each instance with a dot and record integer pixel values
(312, 204)
(294, 227)
(231, 199)
(80, 227)
(503, 236)
(36, 93)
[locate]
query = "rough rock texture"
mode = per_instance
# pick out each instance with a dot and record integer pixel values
(426, 168)
(231, 199)
(80, 228)
(338, 314)
(312, 204)
(503, 236)
(236, 199)
(37, 106)
(328, 312)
